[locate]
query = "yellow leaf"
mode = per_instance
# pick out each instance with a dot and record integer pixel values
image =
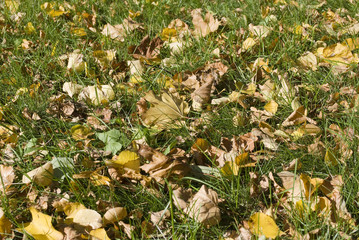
(79, 132)
(201, 144)
(104, 58)
(262, 224)
(29, 29)
(71, 209)
(169, 34)
(330, 158)
(78, 31)
(41, 227)
(352, 43)
(76, 62)
(271, 107)
(308, 61)
(99, 234)
(311, 185)
(248, 43)
(12, 5)
(230, 168)
(132, 14)
(251, 89)
(337, 54)
(126, 159)
(88, 218)
(95, 178)
(5, 225)
(98, 94)
(55, 13)
(166, 110)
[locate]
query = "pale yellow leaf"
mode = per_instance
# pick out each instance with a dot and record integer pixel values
(271, 107)
(41, 176)
(166, 110)
(114, 215)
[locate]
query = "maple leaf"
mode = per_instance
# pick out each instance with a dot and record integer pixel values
(165, 111)
(41, 227)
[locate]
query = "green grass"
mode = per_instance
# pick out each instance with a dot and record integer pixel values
(23, 70)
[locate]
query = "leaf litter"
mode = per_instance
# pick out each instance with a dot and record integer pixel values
(136, 116)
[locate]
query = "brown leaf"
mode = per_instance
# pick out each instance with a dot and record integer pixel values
(7, 175)
(202, 95)
(203, 27)
(148, 49)
(204, 207)
(157, 218)
(181, 197)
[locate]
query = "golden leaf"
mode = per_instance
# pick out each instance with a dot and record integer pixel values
(271, 107)
(126, 159)
(99, 234)
(79, 132)
(5, 225)
(41, 227)
(262, 224)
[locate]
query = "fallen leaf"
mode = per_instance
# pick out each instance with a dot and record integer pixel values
(202, 95)
(308, 61)
(105, 58)
(259, 31)
(97, 95)
(293, 186)
(76, 62)
(271, 107)
(157, 218)
(29, 29)
(203, 207)
(88, 218)
(126, 159)
(165, 111)
(262, 224)
(114, 215)
(99, 234)
(79, 132)
(5, 225)
(72, 88)
(7, 176)
(40, 228)
(203, 27)
(41, 176)
(148, 49)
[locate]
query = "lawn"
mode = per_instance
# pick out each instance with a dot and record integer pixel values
(179, 119)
